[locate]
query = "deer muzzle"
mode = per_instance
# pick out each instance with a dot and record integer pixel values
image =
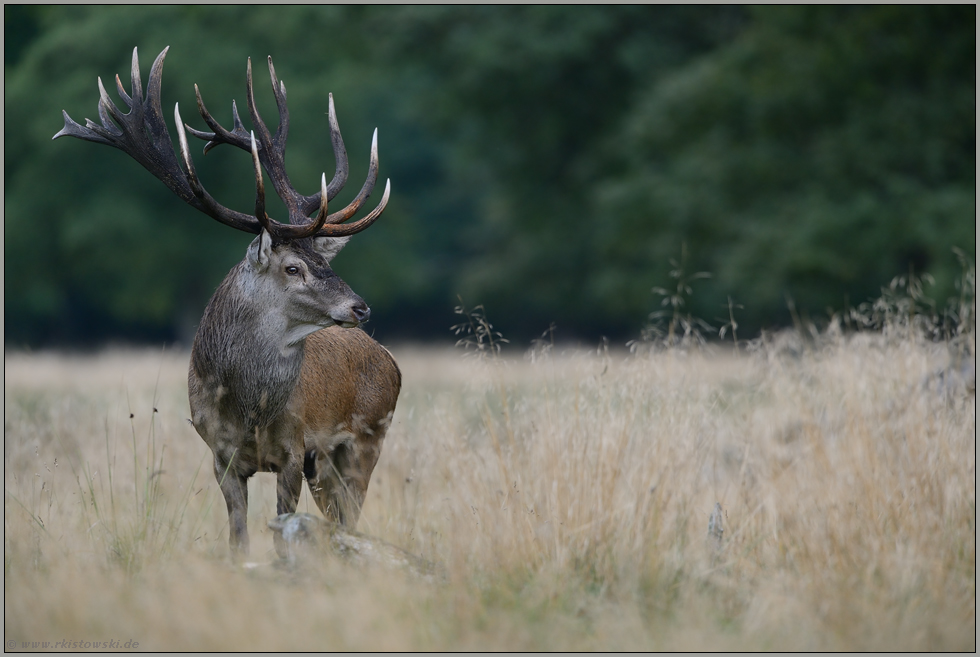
(359, 313)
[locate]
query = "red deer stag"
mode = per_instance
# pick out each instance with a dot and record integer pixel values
(275, 383)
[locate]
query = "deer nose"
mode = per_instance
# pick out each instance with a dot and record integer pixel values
(360, 311)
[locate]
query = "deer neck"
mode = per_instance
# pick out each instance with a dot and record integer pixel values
(254, 353)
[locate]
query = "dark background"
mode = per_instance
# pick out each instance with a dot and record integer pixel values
(546, 162)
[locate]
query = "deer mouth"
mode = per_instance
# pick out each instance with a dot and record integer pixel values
(358, 314)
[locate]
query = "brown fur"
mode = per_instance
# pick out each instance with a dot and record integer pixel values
(349, 385)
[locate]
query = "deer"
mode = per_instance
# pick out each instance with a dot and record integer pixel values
(282, 378)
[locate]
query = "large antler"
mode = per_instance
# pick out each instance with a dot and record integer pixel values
(142, 134)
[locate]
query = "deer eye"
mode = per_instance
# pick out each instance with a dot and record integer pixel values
(292, 270)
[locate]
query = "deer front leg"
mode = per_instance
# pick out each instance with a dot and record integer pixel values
(234, 486)
(289, 486)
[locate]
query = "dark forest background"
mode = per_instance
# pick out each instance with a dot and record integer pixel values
(546, 162)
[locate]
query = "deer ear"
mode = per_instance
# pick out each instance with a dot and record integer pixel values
(260, 251)
(329, 247)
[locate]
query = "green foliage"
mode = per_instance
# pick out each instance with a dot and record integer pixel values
(546, 161)
(815, 156)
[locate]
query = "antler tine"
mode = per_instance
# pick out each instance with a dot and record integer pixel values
(368, 187)
(206, 202)
(259, 187)
(122, 92)
(265, 137)
(185, 152)
(321, 216)
(279, 91)
(340, 156)
(107, 108)
(359, 225)
(134, 77)
(153, 87)
(339, 151)
(313, 228)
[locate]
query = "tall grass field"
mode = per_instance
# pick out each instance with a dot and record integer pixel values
(565, 494)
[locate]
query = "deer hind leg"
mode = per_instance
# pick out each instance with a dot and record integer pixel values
(339, 480)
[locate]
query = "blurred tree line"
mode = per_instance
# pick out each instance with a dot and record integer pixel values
(547, 162)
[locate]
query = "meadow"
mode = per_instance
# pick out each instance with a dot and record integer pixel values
(565, 493)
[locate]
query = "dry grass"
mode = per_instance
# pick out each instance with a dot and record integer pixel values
(567, 495)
